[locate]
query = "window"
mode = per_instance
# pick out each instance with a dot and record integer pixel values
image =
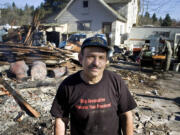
(106, 28)
(162, 33)
(85, 4)
(84, 26)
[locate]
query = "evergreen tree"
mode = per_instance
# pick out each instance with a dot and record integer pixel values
(147, 15)
(55, 5)
(154, 18)
(13, 5)
(51, 7)
(160, 21)
(146, 19)
(167, 21)
(16, 16)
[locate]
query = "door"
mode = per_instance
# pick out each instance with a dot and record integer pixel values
(106, 29)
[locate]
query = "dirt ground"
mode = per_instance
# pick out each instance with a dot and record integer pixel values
(157, 95)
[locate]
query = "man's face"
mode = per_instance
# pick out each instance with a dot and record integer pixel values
(94, 61)
(161, 41)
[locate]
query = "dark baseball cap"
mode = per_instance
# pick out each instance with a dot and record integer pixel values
(95, 42)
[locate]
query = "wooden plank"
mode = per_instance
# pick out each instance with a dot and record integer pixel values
(136, 39)
(159, 57)
(4, 63)
(28, 35)
(3, 91)
(19, 99)
(38, 83)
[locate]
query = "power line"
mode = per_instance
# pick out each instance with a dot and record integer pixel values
(160, 7)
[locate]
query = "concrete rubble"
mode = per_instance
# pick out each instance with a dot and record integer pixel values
(157, 94)
(38, 71)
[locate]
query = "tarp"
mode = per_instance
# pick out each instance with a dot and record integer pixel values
(2, 32)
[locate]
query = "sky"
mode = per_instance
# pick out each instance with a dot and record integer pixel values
(21, 3)
(160, 7)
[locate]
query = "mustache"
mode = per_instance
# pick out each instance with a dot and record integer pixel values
(93, 66)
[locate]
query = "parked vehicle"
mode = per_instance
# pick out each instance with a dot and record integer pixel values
(77, 38)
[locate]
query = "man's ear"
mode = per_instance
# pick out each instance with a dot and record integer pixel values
(80, 58)
(107, 62)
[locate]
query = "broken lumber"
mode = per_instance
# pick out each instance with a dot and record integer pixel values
(3, 91)
(19, 99)
(38, 83)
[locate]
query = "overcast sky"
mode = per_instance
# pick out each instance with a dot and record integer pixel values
(160, 7)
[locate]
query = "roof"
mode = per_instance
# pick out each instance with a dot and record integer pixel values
(120, 17)
(105, 4)
(116, 1)
(70, 2)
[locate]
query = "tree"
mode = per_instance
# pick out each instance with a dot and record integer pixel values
(52, 6)
(147, 15)
(167, 21)
(146, 19)
(56, 5)
(160, 21)
(175, 23)
(13, 5)
(16, 16)
(154, 18)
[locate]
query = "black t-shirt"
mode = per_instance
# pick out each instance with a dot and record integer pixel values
(94, 108)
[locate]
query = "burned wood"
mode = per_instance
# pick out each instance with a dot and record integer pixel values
(63, 51)
(4, 63)
(37, 83)
(19, 99)
(28, 35)
(12, 53)
(34, 26)
(3, 91)
(34, 50)
(52, 58)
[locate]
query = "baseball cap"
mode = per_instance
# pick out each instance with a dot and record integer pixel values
(96, 42)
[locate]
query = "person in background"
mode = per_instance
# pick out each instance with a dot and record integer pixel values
(97, 100)
(167, 50)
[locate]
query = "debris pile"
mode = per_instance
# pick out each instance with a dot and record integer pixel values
(138, 80)
(30, 77)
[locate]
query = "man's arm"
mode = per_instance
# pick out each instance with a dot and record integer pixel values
(59, 128)
(127, 123)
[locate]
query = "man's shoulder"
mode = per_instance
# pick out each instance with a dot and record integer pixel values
(72, 78)
(112, 74)
(167, 42)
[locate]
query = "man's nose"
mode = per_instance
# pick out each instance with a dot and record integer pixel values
(96, 61)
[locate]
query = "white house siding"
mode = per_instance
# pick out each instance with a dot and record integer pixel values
(128, 10)
(96, 13)
(118, 31)
(132, 15)
(60, 28)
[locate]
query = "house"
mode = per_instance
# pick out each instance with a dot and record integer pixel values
(114, 18)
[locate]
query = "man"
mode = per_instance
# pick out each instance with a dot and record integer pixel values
(178, 50)
(97, 100)
(168, 52)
